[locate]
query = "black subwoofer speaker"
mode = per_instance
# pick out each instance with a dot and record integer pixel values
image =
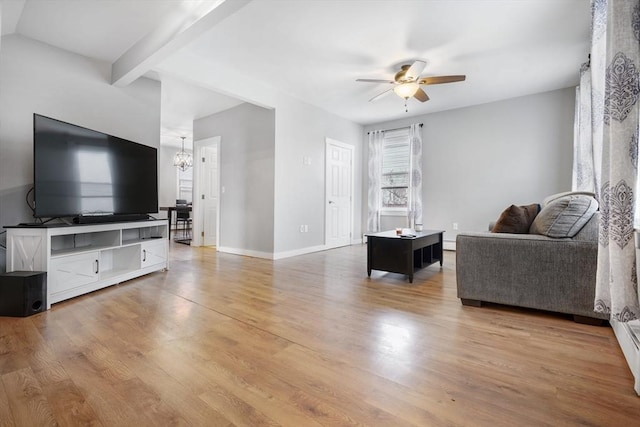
(23, 293)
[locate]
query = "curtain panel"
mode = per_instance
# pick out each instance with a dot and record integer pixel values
(415, 175)
(615, 80)
(583, 173)
(375, 177)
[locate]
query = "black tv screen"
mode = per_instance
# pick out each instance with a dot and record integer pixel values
(78, 171)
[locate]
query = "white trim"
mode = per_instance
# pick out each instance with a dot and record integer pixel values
(449, 245)
(302, 251)
(273, 256)
(625, 337)
(245, 252)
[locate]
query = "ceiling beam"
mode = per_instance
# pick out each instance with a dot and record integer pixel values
(180, 29)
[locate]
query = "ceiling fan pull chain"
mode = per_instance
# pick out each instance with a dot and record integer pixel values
(406, 109)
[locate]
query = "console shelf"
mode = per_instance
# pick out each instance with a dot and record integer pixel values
(83, 258)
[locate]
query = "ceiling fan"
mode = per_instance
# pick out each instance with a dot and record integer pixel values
(406, 83)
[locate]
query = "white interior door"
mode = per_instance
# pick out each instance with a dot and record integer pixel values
(339, 193)
(210, 193)
(206, 194)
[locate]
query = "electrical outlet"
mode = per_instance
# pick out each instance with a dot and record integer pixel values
(455, 225)
(306, 228)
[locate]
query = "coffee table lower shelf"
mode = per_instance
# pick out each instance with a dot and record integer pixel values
(386, 251)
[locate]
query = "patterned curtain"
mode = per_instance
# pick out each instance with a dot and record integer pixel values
(615, 62)
(415, 177)
(375, 175)
(583, 173)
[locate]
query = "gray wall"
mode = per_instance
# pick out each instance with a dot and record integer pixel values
(37, 78)
(301, 130)
(247, 159)
(479, 160)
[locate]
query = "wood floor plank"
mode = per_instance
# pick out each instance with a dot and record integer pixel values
(108, 404)
(234, 376)
(195, 411)
(29, 406)
(222, 340)
(145, 400)
(69, 405)
(6, 417)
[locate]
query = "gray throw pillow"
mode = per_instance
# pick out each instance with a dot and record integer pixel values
(564, 216)
(553, 197)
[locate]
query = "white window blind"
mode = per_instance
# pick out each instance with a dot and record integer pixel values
(395, 170)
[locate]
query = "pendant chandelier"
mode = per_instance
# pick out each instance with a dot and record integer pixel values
(183, 160)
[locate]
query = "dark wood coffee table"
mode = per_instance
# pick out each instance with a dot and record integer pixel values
(388, 251)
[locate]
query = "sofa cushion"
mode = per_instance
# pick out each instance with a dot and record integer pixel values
(516, 219)
(564, 216)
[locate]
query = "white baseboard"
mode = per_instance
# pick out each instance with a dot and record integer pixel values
(301, 251)
(245, 252)
(273, 256)
(289, 254)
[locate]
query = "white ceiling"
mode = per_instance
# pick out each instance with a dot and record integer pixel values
(314, 50)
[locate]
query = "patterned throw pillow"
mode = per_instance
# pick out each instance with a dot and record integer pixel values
(516, 219)
(564, 216)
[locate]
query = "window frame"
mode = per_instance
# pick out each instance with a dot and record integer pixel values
(397, 137)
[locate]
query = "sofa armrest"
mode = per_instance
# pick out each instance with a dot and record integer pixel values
(527, 270)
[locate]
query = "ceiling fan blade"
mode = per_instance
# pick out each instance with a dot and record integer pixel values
(381, 95)
(436, 80)
(421, 95)
(375, 81)
(413, 73)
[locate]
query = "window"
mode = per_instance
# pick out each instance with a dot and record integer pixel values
(394, 185)
(185, 184)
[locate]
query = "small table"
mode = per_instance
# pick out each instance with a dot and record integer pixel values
(387, 251)
(171, 210)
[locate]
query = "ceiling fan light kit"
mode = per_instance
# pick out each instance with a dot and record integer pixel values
(407, 82)
(406, 90)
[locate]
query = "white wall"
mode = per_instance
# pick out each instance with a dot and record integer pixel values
(247, 159)
(37, 78)
(301, 130)
(479, 160)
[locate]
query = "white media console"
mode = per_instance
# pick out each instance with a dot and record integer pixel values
(83, 258)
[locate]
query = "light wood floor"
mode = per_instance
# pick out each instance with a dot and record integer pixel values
(224, 340)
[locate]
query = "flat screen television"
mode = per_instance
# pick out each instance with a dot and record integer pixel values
(81, 172)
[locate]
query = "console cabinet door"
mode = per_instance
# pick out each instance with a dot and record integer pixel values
(154, 252)
(72, 271)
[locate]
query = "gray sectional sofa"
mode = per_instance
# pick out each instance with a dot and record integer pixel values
(531, 270)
